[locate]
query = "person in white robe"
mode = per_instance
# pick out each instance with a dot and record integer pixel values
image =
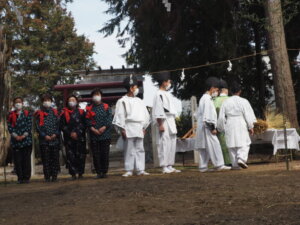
(237, 120)
(207, 142)
(163, 114)
(131, 120)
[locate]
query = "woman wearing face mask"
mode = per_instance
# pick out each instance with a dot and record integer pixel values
(72, 124)
(131, 120)
(19, 126)
(47, 125)
(99, 120)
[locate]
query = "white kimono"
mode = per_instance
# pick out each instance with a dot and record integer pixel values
(208, 144)
(163, 108)
(132, 115)
(235, 119)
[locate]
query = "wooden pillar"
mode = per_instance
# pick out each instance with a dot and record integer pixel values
(194, 123)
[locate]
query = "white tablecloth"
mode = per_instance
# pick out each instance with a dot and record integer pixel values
(273, 136)
(184, 145)
(276, 137)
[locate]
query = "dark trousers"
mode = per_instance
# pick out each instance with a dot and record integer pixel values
(50, 160)
(76, 154)
(23, 162)
(100, 150)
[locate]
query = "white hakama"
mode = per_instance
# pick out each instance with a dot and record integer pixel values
(235, 119)
(207, 143)
(132, 115)
(163, 108)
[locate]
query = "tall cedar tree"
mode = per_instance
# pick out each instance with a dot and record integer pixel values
(199, 32)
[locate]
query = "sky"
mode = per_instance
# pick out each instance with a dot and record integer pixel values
(89, 17)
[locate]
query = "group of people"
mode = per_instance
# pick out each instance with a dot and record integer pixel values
(224, 127)
(131, 119)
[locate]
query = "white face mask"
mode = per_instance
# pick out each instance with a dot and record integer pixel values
(136, 92)
(47, 104)
(214, 94)
(18, 106)
(96, 98)
(168, 87)
(72, 104)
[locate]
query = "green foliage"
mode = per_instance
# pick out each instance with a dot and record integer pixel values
(46, 50)
(183, 123)
(197, 32)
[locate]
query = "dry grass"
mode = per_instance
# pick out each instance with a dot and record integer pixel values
(275, 120)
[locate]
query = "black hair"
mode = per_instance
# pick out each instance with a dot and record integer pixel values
(235, 87)
(46, 97)
(211, 82)
(72, 96)
(223, 84)
(96, 91)
(162, 77)
(129, 82)
(16, 98)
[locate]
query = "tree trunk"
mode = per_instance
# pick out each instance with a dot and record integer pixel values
(5, 86)
(284, 89)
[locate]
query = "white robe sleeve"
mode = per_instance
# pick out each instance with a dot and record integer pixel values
(120, 115)
(222, 119)
(158, 111)
(209, 113)
(147, 119)
(249, 115)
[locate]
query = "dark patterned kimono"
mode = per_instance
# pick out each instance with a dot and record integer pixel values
(20, 124)
(47, 123)
(98, 116)
(74, 121)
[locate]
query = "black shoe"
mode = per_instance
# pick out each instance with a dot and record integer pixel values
(73, 177)
(99, 175)
(47, 180)
(104, 175)
(80, 176)
(54, 179)
(20, 182)
(26, 181)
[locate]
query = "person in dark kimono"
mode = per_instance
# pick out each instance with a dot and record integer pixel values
(19, 126)
(72, 124)
(47, 125)
(99, 123)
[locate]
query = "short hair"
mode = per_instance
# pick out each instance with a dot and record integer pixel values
(16, 98)
(223, 84)
(96, 91)
(46, 97)
(72, 96)
(211, 82)
(235, 87)
(162, 77)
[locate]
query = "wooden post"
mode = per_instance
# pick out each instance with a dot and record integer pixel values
(194, 122)
(154, 146)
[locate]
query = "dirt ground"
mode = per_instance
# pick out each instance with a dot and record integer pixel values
(263, 194)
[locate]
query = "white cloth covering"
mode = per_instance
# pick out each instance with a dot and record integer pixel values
(134, 154)
(212, 151)
(132, 115)
(239, 153)
(206, 113)
(166, 146)
(236, 117)
(276, 137)
(208, 144)
(163, 108)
